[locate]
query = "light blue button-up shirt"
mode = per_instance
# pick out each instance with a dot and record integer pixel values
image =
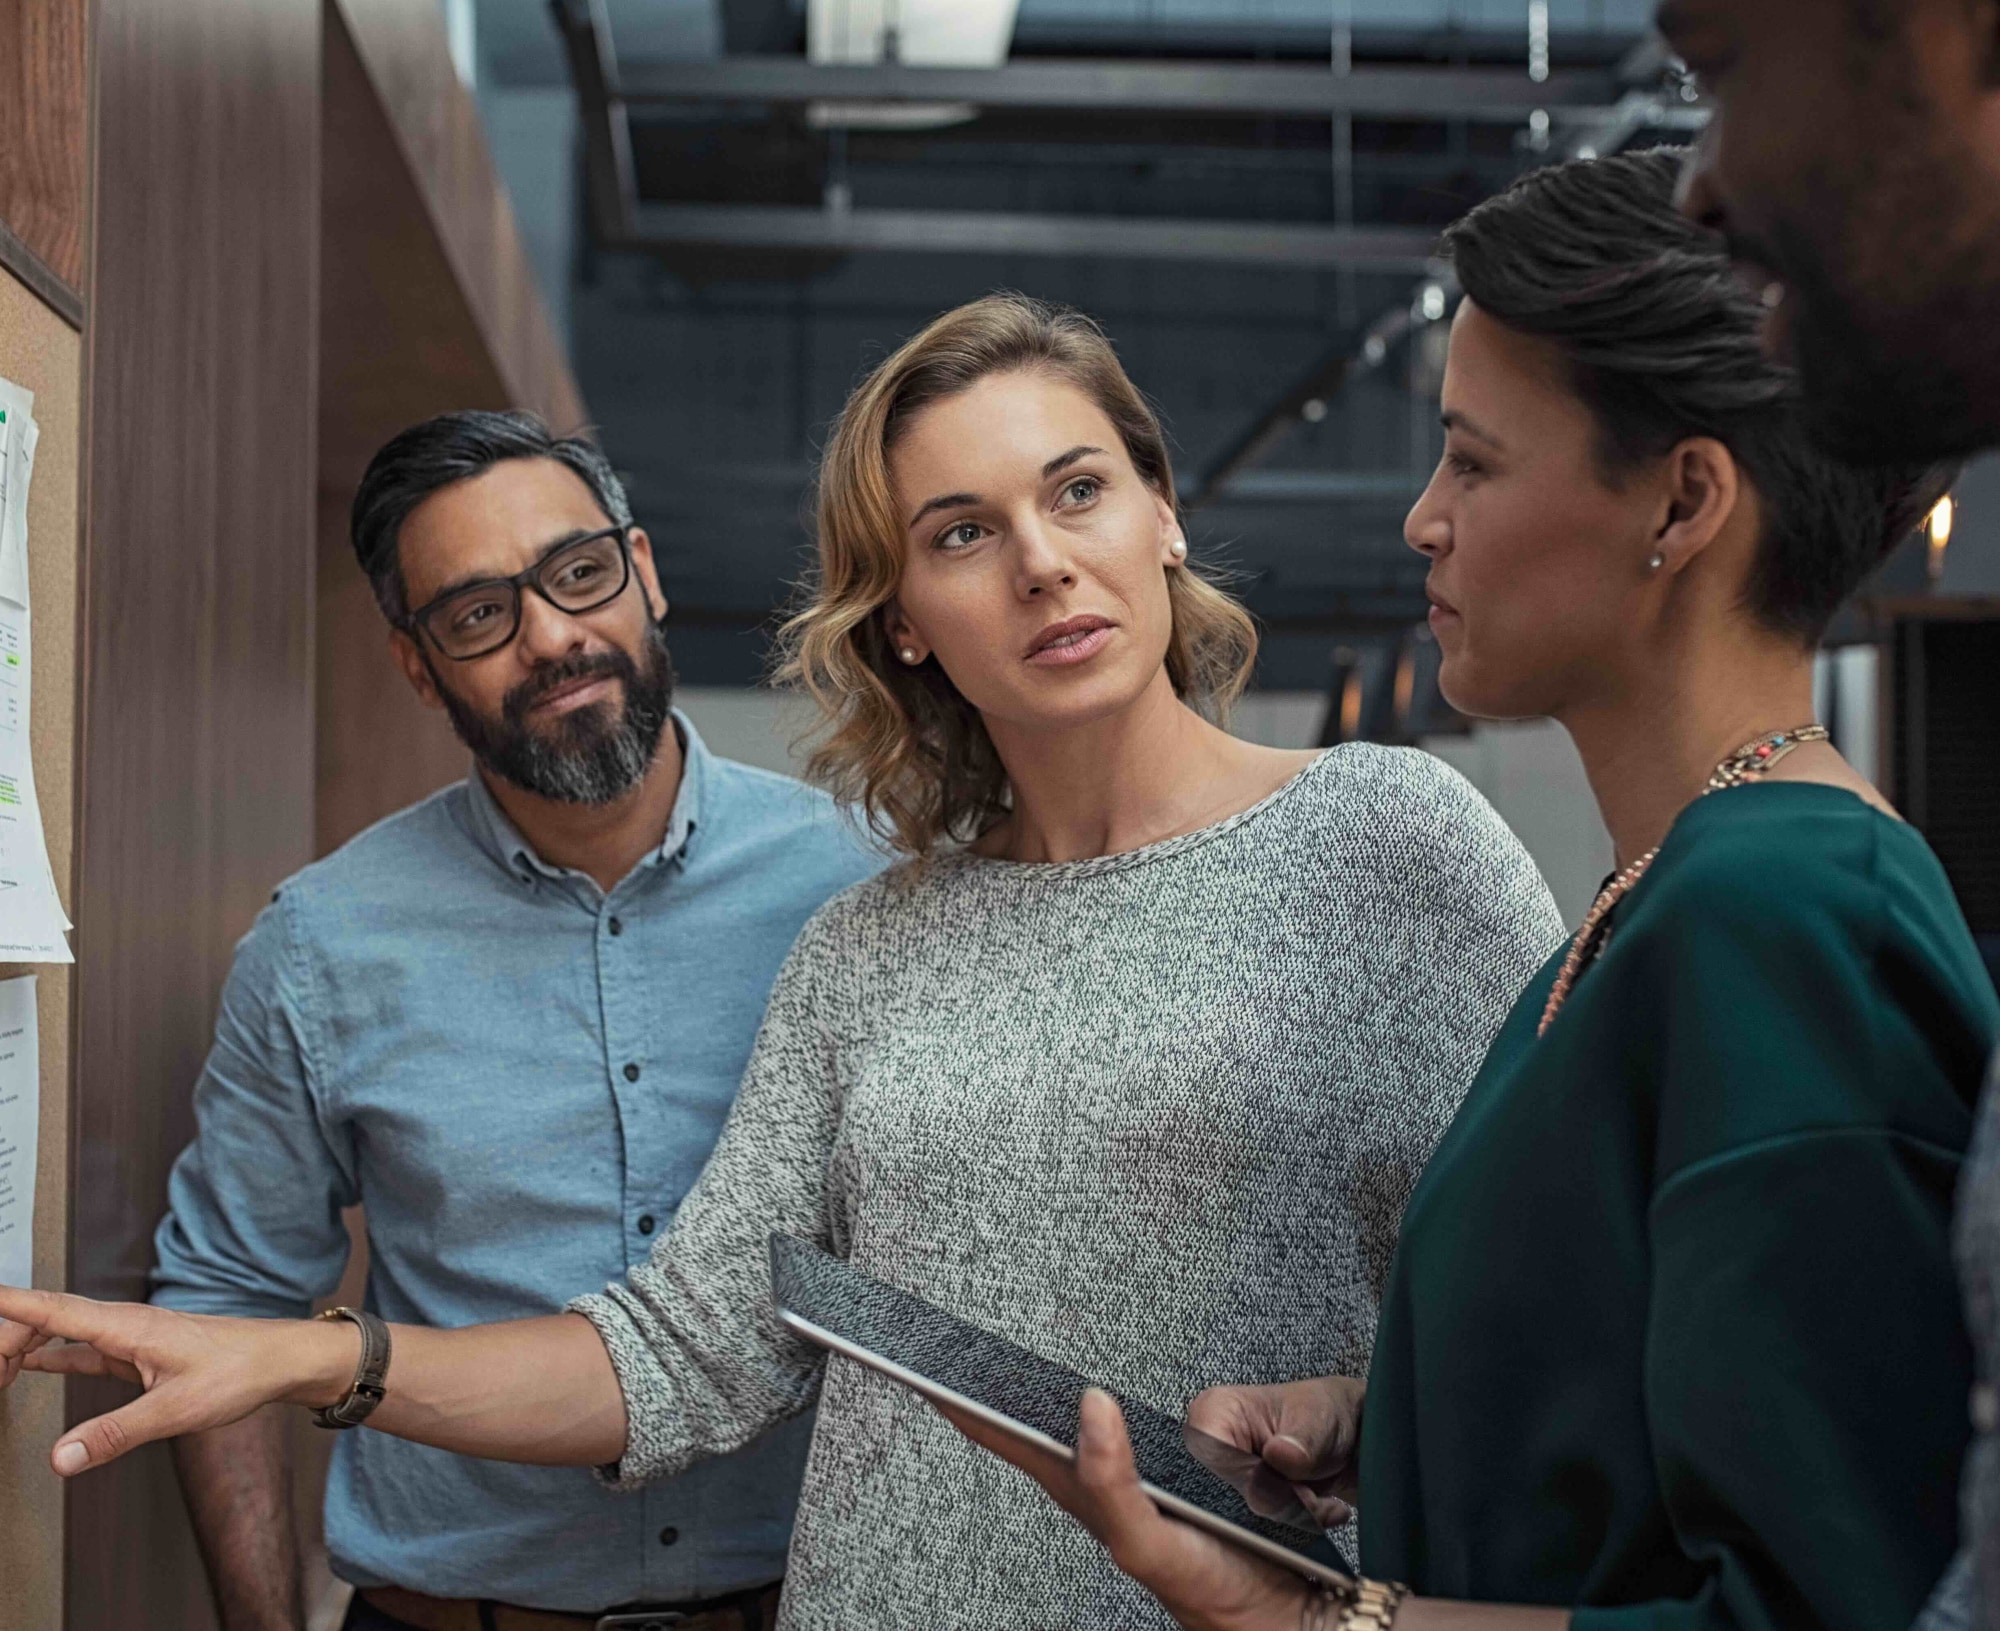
(520, 1076)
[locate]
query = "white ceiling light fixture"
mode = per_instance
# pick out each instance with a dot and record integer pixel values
(918, 33)
(915, 33)
(839, 115)
(956, 33)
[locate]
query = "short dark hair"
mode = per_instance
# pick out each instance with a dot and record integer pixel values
(454, 447)
(1662, 341)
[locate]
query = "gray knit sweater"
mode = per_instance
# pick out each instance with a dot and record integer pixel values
(1155, 1115)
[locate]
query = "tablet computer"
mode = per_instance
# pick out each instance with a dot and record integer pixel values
(948, 1361)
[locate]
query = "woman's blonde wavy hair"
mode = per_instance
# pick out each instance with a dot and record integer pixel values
(899, 743)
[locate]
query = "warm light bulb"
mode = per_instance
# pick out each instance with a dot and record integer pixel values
(1939, 524)
(1350, 705)
(1937, 529)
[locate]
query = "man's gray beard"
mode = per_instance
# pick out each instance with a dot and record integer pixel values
(595, 772)
(581, 760)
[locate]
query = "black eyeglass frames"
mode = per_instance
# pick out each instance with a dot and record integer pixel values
(479, 618)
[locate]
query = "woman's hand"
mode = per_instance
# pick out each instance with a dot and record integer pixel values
(538, 1390)
(1308, 1433)
(1204, 1582)
(198, 1371)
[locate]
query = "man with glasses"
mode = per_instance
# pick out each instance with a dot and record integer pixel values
(510, 1020)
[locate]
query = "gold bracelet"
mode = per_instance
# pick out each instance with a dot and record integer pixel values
(1374, 1605)
(1367, 1605)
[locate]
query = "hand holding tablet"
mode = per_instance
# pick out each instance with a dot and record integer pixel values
(984, 1381)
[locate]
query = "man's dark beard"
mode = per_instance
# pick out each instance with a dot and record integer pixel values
(1891, 263)
(588, 755)
(1903, 375)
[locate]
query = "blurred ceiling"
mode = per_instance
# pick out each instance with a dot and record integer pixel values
(1249, 224)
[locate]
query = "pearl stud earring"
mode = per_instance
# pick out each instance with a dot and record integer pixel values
(1178, 548)
(908, 654)
(1657, 562)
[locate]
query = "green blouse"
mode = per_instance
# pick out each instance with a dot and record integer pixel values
(1672, 1334)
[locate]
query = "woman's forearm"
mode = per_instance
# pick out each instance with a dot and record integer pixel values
(538, 1390)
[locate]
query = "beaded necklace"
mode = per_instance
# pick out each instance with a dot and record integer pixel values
(1748, 763)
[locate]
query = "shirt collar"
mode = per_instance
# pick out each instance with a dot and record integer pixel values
(503, 841)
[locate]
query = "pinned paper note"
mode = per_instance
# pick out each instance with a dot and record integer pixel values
(14, 565)
(20, 1129)
(32, 921)
(18, 436)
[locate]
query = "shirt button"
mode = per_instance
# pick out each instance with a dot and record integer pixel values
(669, 1535)
(615, 926)
(646, 1224)
(631, 1073)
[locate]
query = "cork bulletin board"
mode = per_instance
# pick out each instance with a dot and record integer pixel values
(40, 351)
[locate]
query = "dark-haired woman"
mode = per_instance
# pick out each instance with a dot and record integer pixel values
(1671, 1339)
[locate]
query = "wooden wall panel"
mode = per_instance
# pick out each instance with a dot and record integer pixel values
(197, 750)
(403, 49)
(398, 338)
(399, 341)
(43, 94)
(410, 212)
(39, 350)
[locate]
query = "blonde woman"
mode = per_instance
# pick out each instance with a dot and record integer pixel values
(1136, 1059)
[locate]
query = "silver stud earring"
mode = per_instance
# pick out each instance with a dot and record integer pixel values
(908, 654)
(1657, 561)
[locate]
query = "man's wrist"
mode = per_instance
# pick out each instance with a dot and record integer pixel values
(321, 1357)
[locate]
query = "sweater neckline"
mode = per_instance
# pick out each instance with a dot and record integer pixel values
(1161, 849)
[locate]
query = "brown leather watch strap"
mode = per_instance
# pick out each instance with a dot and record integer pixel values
(370, 1375)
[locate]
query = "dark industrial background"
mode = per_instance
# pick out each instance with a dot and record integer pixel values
(740, 205)
(715, 342)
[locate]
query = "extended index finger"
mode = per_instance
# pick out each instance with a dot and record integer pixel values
(28, 1314)
(19, 1330)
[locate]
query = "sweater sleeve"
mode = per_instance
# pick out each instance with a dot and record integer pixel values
(1472, 920)
(1460, 923)
(1805, 1362)
(702, 1360)
(1802, 1379)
